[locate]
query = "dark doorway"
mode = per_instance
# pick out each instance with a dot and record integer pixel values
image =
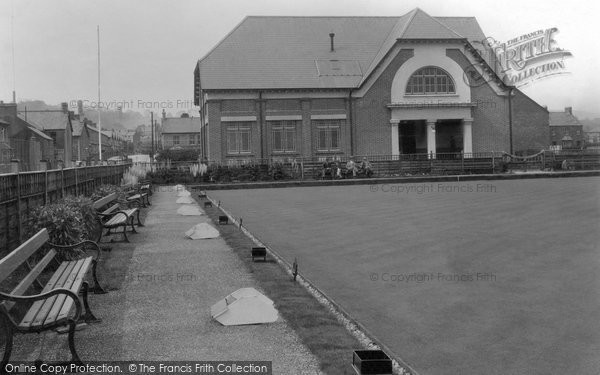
(449, 136)
(407, 133)
(412, 137)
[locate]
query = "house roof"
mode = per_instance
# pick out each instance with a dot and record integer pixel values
(48, 120)
(181, 125)
(563, 119)
(294, 52)
(105, 133)
(77, 127)
(32, 128)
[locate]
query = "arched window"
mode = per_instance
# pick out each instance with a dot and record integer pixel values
(430, 80)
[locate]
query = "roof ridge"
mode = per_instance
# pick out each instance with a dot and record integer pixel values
(223, 39)
(417, 10)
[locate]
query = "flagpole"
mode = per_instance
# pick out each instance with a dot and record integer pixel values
(98, 104)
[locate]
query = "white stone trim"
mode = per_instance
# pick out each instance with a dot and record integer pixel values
(283, 117)
(341, 116)
(395, 140)
(237, 118)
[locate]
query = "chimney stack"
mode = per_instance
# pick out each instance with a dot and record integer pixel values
(331, 35)
(164, 114)
(569, 110)
(80, 108)
(65, 107)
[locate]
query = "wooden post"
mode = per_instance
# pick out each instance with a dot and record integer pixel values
(46, 187)
(62, 182)
(76, 183)
(493, 163)
(19, 226)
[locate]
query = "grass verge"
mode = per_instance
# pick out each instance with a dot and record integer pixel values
(316, 326)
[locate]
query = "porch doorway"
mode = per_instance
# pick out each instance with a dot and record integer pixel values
(449, 136)
(412, 137)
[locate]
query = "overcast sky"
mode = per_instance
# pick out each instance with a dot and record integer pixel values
(149, 48)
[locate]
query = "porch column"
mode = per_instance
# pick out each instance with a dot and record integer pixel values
(467, 137)
(395, 143)
(431, 146)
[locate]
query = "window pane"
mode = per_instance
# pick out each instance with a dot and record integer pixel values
(335, 138)
(245, 144)
(322, 139)
(290, 140)
(231, 141)
(277, 143)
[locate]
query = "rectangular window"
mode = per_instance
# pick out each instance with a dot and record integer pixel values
(328, 134)
(283, 135)
(175, 140)
(238, 138)
(192, 139)
(2, 134)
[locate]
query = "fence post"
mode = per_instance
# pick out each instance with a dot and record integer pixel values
(493, 163)
(76, 183)
(62, 182)
(45, 187)
(19, 225)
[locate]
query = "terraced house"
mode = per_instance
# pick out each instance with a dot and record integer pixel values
(319, 87)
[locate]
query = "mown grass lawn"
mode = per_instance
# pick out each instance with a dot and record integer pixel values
(488, 277)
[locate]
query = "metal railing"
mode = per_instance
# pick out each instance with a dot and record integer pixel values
(301, 168)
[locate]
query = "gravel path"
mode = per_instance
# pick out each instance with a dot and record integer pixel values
(162, 309)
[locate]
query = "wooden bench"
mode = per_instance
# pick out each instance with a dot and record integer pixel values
(138, 195)
(57, 305)
(114, 217)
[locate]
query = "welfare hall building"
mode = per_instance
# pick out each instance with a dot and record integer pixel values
(317, 87)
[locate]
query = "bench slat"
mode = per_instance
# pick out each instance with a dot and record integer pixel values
(31, 277)
(73, 283)
(13, 260)
(39, 310)
(110, 210)
(104, 201)
(116, 221)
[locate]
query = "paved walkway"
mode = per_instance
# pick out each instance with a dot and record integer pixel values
(161, 310)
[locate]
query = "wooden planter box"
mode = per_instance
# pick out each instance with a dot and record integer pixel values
(371, 362)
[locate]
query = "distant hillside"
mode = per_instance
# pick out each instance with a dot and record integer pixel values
(110, 119)
(591, 125)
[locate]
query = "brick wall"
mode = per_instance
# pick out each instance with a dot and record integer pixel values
(530, 124)
(371, 116)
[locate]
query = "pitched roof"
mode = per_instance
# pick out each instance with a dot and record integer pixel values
(48, 120)
(181, 125)
(32, 128)
(563, 119)
(294, 52)
(77, 127)
(105, 133)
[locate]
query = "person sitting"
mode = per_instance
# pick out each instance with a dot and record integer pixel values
(350, 168)
(336, 171)
(326, 168)
(366, 168)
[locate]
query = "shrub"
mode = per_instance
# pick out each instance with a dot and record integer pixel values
(65, 226)
(104, 190)
(85, 206)
(178, 155)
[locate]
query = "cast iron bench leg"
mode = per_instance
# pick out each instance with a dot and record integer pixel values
(139, 223)
(88, 317)
(131, 223)
(97, 289)
(74, 356)
(9, 341)
(125, 233)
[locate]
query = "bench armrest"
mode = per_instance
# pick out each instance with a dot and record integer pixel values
(43, 296)
(86, 245)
